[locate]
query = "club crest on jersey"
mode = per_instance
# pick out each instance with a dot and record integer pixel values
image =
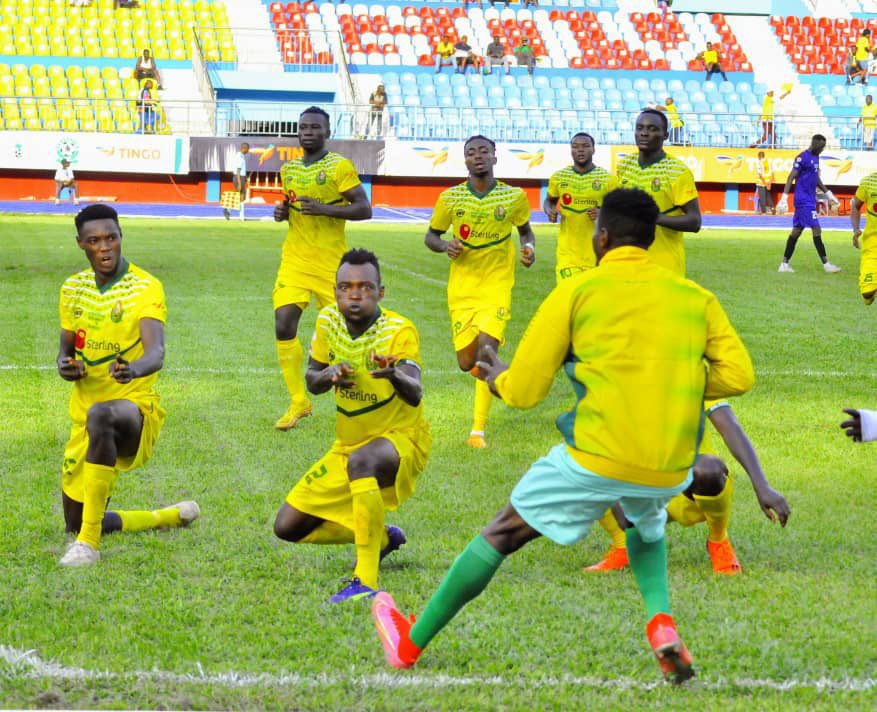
(566, 199)
(464, 231)
(331, 355)
(321, 178)
(80, 339)
(77, 312)
(116, 314)
(656, 184)
(291, 195)
(499, 213)
(596, 185)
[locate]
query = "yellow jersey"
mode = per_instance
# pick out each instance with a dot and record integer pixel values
(710, 56)
(866, 193)
(869, 115)
(444, 49)
(767, 109)
(576, 193)
(485, 272)
(315, 243)
(371, 407)
(764, 172)
(642, 348)
(106, 322)
(671, 185)
(863, 49)
(673, 115)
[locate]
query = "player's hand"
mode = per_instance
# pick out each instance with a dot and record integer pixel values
(386, 365)
(774, 505)
(592, 213)
(339, 375)
(121, 370)
(832, 201)
(310, 206)
(783, 205)
(455, 248)
(281, 210)
(71, 370)
(853, 425)
(553, 213)
(528, 255)
(490, 366)
(856, 234)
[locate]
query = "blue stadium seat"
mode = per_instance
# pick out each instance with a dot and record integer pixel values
(562, 104)
(744, 88)
(557, 82)
(726, 88)
(658, 85)
(562, 93)
(546, 96)
(640, 85)
(607, 83)
(480, 102)
(508, 81)
(458, 79)
(541, 82)
(497, 101)
(390, 79)
(844, 100)
(439, 79)
(827, 101)
(407, 78)
(692, 85)
(624, 84)
(675, 86)
(424, 79)
(446, 101)
(495, 92)
(443, 90)
(589, 83)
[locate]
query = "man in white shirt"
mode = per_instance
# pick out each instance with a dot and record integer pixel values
(64, 179)
(240, 179)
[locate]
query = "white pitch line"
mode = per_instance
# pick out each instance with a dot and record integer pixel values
(416, 275)
(30, 665)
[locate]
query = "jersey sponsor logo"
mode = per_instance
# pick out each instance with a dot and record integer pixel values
(80, 338)
(350, 394)
(321, 178)
(291, 195)
(566, 198)
(465, 231)
(110, 346)
(656, 184)
(117, 312)
(499, 213)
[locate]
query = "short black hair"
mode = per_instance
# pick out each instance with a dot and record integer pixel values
(98, 211)
(818, 137)
(317, 110)
(659, 114)
(475, 138)
(583, 134)
(629, 215)
(361, 256)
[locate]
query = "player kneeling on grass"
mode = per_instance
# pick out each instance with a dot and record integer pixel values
(627, 331)
(371, 358)
(112, 347)
(709, 497)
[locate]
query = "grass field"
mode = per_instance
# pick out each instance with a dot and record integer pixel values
(223, 615)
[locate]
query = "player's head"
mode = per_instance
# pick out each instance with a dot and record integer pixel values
(761, 154)
(100, 237)
(651, 130)
(65, 162)
(313, 129)
(146, 54)
(358, 287)
(709, 45)
(627, 217)
(479, 152)
(669, 101)
(869, 100)
(245, 148)
(582, 149)
(817, 144)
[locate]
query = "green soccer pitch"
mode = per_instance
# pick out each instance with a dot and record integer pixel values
(223, 615)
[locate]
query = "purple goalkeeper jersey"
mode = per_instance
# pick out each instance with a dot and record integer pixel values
(807, 166)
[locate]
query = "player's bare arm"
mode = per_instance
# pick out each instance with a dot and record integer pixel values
(321, 377)
(490, 366)
(772, 503)
(689, 221)
(358, 209)
(152, 338)
(405, 378)
(68, 367)
(434, 241)
(281, 211)
(549, 207)
(853, 424)
(856, 220)
(528, 244)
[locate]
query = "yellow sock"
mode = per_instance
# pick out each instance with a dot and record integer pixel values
(368, 527)
(291, 356)
(483, 399)
(138, 521)
(616, 533)
(329, 533)
(98, 480)
(717, 511)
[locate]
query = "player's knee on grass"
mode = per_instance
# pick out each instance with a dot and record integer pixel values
(377, 459)
(710, 474)
(292, 525)
(508, 532)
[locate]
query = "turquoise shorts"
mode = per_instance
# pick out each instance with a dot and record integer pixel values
(561, 499)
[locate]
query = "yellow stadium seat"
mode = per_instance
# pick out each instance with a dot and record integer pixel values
(109, 73)
(13, 124)
(52, 125)
(75, 50)
(97, 93)
(55, 71)
(42, 91)
(33, 124)
(23, 90)
(19, 70)
(37, 70)
(4, 70)
(59, 91)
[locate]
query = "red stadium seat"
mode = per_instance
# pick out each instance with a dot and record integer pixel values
(808, 21)
(644, 63)
(820, 68)
(589, 16)
(458, 12)
(803, 68)
(661, 63)
(612, 63)
(426, 60)
(627, 63)
(637, 17)
(572, 15)
(745, 67)
(555, 15)
(776, 21)
(576, 63)
(593, 63)
(310, 7)
(792, 21)
(442, 12)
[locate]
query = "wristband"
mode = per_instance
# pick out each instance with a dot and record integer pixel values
(531, 245)
(868, 419)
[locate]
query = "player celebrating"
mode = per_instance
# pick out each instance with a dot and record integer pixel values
(805, 176)
(709, 497)
(322, 192)
(669, 182)
(482, 211)
(866, 197)
(371, 357)
(111, 348)
(574, 194)
(617, 332)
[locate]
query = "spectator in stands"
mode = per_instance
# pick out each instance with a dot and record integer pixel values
(466, 4)
(146, 68)
(496, 54)
(146, 107)
(766, 119)
(851, 67)
(872, 65)
(377, 100)
(863, 53)
(493, 3)
(765, 182)
(444, 53)
(463, 55)
(64, 179)
(677, 125)
(529, 3)
(868, 122)
(712, 61)
(240, 179)
(125, 3)
(525, 56)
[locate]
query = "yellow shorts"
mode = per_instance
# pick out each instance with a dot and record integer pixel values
(685, 511)
(72, 481)
(324, 491)
(295, 287)
(468, 322)
(868, 272)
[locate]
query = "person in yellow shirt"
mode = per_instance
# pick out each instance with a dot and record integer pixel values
(481, 213)
(111, 349)
(868, 122)
(677, 125)
(764, 172)
(322, 192)
(628, 331)
(669, 182)
(370, 357)
(767, 137)
(866, 197)
(574, 196)
(863, 54)
(444, 53)
(712, 62)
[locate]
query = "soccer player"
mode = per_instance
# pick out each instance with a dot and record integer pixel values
(765, 182)
(805, 176)
(482, 211)
(626, 332)
(371, 358)
(111, 349)
(708, 499)
(323, 191)
(574, 195)
(866, 197)
(669, 182)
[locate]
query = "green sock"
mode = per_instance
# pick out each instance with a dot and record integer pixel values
(649, 564)
(468, 577)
